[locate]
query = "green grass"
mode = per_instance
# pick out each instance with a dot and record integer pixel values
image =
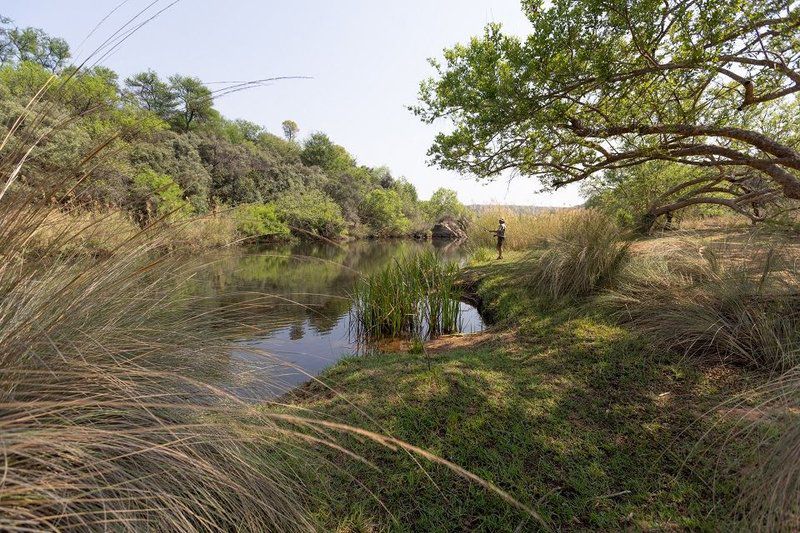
(414, 296)
(568, 412)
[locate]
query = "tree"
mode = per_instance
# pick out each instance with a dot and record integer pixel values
(31, 44)
(444, 203)
(638, 195)
(290, 130)
(607, 84)
(319, 150)
(152, 94)
(195, 102)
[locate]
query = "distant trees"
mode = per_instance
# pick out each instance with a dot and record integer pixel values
(444, 203)
(604, 85)
(319, 150)
(194, 102)
(152, 94)
(183, 102)
(165, 150)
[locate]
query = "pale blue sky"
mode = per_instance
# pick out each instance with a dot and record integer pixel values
(366, 59)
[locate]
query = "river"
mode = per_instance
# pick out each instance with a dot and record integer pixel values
(289, 306)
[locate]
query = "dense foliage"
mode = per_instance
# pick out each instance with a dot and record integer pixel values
(165, 151)
(600, 86)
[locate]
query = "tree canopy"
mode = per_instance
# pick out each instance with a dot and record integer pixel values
(31, 44)
(601, 85)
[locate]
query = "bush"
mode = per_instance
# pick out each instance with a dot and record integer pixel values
(260, 220)
(584, 255)
(444, 204)
(159, 195)
(383, 210)
(311, 213)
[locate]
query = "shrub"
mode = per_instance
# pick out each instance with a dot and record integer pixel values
(260, 220)
(383, 210)
(444, 204)
(584, 255)
(311, 213)
(159, 195)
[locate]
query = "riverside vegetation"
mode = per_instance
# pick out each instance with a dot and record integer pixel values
(164, 151)
(109, 417)
(641, 372)
(624, 384)
(416, 297)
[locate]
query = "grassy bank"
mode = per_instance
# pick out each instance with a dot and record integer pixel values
(569, 412)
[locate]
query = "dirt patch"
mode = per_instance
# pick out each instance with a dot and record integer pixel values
(444, 343)
(458, 342)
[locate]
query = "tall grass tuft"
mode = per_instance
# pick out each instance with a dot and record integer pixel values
(583, 254)
(771, 490)
(699, 300)
(106, 419)
(414, 296)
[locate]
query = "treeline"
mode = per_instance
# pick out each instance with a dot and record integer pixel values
(158, 148)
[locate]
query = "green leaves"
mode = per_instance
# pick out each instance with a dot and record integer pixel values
(602, 84)
(383, 212)
(260, 220)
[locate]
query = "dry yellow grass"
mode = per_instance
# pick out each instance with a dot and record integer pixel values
(98, 233)
(90, 232)
(524, 230)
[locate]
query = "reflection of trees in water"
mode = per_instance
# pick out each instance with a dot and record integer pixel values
(297, 331)
(326, 317)
(267, 288)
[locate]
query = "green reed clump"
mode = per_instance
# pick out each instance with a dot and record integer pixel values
(583, 255)
(414, 296)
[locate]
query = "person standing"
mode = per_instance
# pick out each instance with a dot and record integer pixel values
(500, 233)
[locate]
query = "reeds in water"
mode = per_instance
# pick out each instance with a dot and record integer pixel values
(416, 296)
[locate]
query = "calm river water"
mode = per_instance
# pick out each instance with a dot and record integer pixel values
(291, 308)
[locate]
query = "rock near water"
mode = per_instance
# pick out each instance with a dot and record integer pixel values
(448, 229)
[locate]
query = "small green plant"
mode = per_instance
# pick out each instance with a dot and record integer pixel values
(480, 255)
(414, 296)
(417, 346)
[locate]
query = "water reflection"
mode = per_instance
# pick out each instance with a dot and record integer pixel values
(292, 303)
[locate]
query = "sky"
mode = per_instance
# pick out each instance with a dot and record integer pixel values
(366, 60)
